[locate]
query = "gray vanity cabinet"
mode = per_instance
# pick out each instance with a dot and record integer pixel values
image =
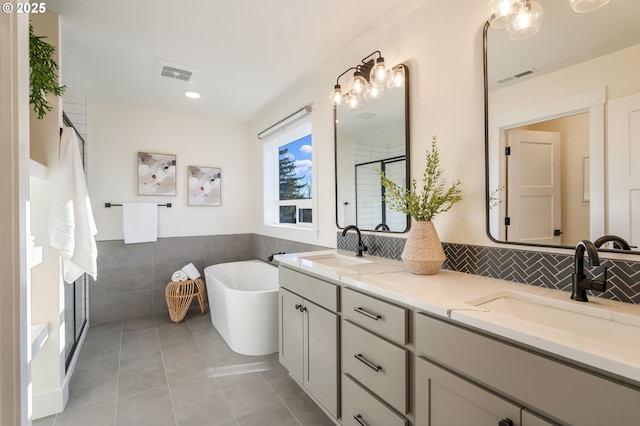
(309, 335)
(447, 399)
(376, 378)
(489, 378)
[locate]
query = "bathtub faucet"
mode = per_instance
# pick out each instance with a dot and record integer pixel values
(361, 247)
(270, 258)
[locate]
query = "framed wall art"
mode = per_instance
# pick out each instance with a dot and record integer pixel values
(205, 186)
(156, 174)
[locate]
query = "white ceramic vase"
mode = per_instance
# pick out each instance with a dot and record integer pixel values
(423, 253)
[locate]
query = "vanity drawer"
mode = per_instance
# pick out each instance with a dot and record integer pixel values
(383, 318)
(314, 289)
(358, 403)
(376, 363)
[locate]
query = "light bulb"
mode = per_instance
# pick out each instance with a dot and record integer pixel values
(527, 21)
(396, 79)
(378, 72)
(359, 83)
(336, 95)
(352, 101)
(502, 12)
(374, 91)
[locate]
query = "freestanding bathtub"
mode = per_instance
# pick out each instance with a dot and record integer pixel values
(243, 299)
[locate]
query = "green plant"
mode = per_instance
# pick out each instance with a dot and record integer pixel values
(423, 205)
(42, 76)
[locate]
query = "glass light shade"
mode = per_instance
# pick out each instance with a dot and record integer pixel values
(359, 83)
(336, 95)
(374, 91)
(581, 6)
(502, 12)
(527, 21)
(378, 72)
(396, 79)
(352, 101)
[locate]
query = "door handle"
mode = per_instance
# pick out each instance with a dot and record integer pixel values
(368, 363)
(367, 314)
(359, 419)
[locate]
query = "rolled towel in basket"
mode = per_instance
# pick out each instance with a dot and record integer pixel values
(191, 271)
(179, 276)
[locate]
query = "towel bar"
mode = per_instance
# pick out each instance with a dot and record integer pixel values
(109, 205)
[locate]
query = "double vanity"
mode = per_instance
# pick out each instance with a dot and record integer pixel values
(374, 345)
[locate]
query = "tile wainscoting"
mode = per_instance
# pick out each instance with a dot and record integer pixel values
(549, 270)
(132, 277)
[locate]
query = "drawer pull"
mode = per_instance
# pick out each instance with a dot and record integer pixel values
(367, 314)
(368, 363)
(358, 418)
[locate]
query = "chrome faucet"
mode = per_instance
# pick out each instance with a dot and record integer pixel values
(579, 282)
(361, 247)
(618, 242)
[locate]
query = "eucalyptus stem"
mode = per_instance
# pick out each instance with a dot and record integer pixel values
(433, 197)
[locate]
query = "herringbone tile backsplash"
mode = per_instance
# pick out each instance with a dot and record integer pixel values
(549, 270)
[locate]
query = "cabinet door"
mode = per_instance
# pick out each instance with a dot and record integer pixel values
(532, 419)
(444, 399)
(321, 355)
(291, 333)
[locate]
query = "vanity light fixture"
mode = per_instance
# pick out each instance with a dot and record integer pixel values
(522, 18)
(368, 81)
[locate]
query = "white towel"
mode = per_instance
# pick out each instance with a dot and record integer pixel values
(72, 228)
(139, 222)
(191, 271)
(179, 276)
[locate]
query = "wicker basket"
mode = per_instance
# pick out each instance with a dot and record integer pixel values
(180, 295)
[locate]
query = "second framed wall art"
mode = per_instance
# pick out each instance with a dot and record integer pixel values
(205, 186)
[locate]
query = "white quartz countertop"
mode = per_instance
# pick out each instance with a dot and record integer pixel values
(612, 345)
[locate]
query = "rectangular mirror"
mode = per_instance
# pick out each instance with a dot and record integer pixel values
(373, 137)
(547, 181)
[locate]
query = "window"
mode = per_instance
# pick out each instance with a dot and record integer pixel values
(288, 177)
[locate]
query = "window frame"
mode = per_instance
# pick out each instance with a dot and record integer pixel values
(271, 176)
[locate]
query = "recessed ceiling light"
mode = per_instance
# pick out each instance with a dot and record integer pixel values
(191, 94)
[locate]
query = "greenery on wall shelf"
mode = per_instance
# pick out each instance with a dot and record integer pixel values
(42, 76)
(423, 205)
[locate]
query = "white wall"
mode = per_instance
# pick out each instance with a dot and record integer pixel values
(117, 132)
(441, 42)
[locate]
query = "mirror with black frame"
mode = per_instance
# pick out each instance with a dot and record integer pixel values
(546, 98)
(371, 138)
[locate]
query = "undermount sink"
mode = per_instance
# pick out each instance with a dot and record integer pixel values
(335, 260)
(571, 317)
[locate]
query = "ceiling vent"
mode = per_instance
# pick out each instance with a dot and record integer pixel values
(517, 75)
(366, 114)
(174, 71)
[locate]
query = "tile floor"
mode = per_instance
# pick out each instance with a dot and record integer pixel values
(150, 371)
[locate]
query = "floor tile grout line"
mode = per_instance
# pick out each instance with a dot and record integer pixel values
(224, 394)
(115, 417)
(166, 376)
(280, 398)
